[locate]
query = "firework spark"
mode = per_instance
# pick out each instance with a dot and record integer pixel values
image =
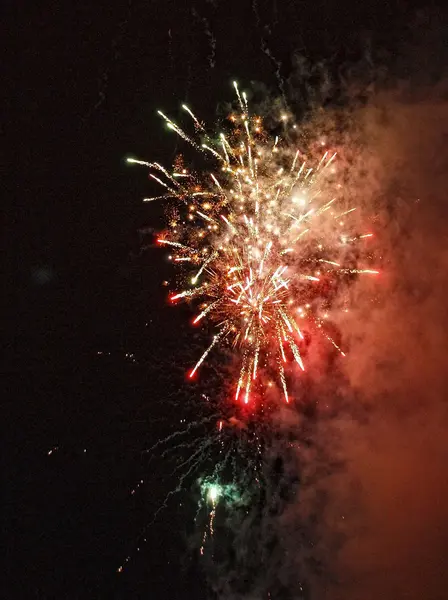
(261, 236)
(213, 493)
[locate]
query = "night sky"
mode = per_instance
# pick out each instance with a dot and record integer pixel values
(89, 341)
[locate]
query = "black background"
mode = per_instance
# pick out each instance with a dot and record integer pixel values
(83, 83)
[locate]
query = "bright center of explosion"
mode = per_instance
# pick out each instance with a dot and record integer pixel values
(214, 492)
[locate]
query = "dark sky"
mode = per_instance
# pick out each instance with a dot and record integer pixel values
(83, 83)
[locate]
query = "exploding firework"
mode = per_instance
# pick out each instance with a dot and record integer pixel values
(264, 241)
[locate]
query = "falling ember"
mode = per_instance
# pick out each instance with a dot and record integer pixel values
(213, 492)
(262, 232)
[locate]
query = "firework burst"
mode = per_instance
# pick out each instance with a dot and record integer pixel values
(261, 241)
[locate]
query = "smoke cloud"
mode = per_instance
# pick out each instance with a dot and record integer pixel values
(389, 501)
